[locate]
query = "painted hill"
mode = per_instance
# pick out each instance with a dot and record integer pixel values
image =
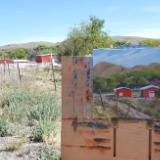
(105, 69)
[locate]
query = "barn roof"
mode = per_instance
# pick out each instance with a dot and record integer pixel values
(43, 55)
(122, 88)
(149, 86)
(6, 61)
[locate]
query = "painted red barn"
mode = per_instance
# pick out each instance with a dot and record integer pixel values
(149, 91)
(43, 58)
(123, 91)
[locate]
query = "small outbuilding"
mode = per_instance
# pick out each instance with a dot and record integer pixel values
(149, 91)
(43, 58)
(123, 91)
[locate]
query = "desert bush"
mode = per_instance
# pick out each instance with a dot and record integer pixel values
(3, 127)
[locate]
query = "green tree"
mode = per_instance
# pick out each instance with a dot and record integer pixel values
(3, 54)
(19, 53)
(86, 37)
(44, 49)
(99, 83)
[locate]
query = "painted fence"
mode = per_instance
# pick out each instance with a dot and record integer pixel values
(85, 138)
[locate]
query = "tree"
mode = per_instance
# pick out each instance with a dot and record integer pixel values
(3, 54)
(44, 49)
(99, 83)
(19, 53)
(86, 37)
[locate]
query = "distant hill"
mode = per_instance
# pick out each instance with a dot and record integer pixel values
(154, 66)
(130, 39)
(29, 45)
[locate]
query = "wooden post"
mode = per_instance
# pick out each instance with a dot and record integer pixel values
(9, 69)
(4, 65)
(53, 74)
(19, 71)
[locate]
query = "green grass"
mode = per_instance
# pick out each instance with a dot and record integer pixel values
(34, 108)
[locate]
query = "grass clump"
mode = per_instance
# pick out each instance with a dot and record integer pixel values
(43, 128)
(3, 127)
(48, 107)
(46, 115)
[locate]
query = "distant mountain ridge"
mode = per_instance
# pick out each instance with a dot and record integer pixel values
(29, 45)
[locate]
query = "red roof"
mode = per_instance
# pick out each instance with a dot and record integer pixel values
(149, 86)
(6, 61)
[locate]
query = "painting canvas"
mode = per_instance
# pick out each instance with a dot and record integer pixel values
(126, 83)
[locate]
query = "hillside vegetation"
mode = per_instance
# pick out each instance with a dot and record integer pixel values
(109, 76)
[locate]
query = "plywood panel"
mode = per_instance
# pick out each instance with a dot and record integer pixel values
(132, 141)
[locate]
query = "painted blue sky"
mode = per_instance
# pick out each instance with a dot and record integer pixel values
(51, 20)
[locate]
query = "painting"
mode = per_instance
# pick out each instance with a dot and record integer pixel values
(126, 83)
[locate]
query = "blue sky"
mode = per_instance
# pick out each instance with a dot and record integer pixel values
(51, 20)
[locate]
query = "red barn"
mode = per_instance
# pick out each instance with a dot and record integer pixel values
(43, 58)
(123, 91)
(6, 61)
(149, 91)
